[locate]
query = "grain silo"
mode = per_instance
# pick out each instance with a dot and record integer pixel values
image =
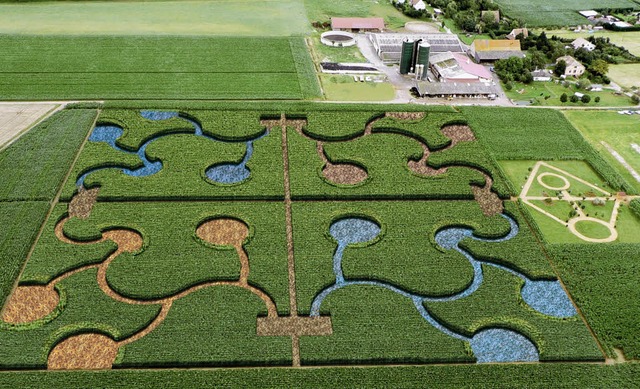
(406, 56)
(423, 59)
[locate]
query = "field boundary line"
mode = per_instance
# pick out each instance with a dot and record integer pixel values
(54, 202)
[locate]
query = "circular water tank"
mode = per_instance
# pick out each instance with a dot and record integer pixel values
(338, 38)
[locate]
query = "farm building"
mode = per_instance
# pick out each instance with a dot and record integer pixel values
(389, 46)
(574, 67)
(582, 43)
(517, 31)
(589, 13)
(357, 24)
(486, 50)
(541, 75)
(457, 67)
(456, 89)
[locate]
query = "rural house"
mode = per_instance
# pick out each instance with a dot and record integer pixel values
(418, 5)
(582, 43)
(517, 31)
(574, 67)
(541, 75)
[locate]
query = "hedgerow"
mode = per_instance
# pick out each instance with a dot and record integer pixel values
(34, 166)
(634, 205)
(535, 375)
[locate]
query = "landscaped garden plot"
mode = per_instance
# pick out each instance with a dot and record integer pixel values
(270, 237)
(134, 67)
(568, 198)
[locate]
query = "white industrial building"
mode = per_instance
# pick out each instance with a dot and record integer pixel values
(389, 46)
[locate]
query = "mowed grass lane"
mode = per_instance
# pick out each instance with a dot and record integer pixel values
(139, 67)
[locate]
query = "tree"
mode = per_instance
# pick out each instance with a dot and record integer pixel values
(597, 99)
(508, 86)
(574, 99)
(561, 66)
(585, 99)
(563, 98)
(583, 83)
(599, 66)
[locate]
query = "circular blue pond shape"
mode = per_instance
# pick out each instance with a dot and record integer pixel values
(228, 173)
(108, 134)
(449, 238)
(548, 297)
(500, 345)
(354, 230)
(158, 115)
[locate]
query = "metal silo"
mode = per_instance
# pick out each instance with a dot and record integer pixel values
(406, 56)
(423, 58)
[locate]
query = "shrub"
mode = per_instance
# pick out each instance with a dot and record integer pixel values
(564, 98)
(597, 99)
(574, 99)
(586, 99)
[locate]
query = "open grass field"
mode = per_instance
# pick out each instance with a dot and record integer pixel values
(626, 75)
(329, 237)
(135, 67)
(629, 40)
(323, 10)
(553, 13)
(191, 17)
(344, 88)
(619, 131)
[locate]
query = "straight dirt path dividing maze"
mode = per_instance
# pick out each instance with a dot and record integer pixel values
(355, 238)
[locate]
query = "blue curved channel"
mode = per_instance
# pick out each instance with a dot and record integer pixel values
(488, 345)
(225, 173)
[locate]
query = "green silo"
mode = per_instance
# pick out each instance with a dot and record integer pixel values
(423, 58)
(405, 57)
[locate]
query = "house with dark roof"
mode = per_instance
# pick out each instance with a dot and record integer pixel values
(487, 50)
(357, 24)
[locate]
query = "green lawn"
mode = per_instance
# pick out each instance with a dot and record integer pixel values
(192, 17)
(323, 10)
(344, 88)
(627, 75)
(324, 53)
(619, 131)
(536, 92)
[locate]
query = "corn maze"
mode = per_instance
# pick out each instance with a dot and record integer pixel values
(213, 238)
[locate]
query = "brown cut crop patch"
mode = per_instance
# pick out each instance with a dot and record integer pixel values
(82, 203)
(489, 202)
(83, 352)
(30, 303)
(344, 173)
(294, 325)
(406, 115)
(226, 232)
(458, 133)
(127, 241)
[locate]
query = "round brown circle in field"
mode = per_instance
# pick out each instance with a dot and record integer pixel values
(30, 303)
(83, 352)
(344, 173)
(223, 232)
